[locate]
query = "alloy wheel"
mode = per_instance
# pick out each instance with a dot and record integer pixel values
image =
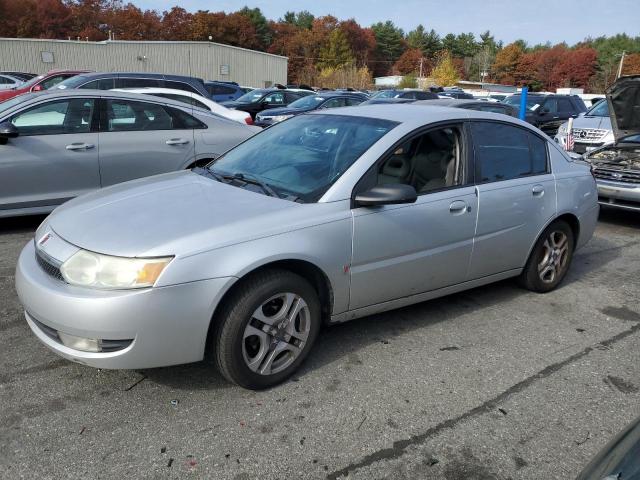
(276, 333)
(555, 256)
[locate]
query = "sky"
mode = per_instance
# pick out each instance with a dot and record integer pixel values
(539, 21)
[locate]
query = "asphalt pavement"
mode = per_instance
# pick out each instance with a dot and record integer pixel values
(492, 383)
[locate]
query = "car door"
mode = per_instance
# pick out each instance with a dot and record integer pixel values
(139, 139)
(402, 250)
(55, 156)
(516, 192)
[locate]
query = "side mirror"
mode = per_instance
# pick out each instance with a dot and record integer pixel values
(544, 111)
(8, 130)
(390, 194)
(37, 88)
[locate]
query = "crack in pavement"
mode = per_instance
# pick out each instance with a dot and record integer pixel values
(400, 446)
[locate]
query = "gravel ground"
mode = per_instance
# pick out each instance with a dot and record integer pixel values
(493, 383)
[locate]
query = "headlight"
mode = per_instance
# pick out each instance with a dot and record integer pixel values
(88, 269)
(279, 118)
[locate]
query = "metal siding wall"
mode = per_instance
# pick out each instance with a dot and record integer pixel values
(198, 59)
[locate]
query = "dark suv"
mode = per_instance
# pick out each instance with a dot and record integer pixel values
(261, 99)
(548, 112)
(223, 91)
(111, 80)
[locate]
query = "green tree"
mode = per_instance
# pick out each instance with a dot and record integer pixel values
(336, 53)
(427, 42)
(260, 23)
(302, 19)
(390, 42)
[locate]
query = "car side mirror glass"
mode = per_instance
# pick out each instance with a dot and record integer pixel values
(37, 88)
(390, 194)
(8, 130)
(544, 111)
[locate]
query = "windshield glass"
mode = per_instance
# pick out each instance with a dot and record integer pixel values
(305, 155)
(386, 94)
(307, 102)
(600, 109)
(72, 82)
(515, 101)
(31, 82)
(252, 97)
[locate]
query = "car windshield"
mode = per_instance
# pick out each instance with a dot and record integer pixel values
(305, 155)
(72, 82)
(307, 102)
(253, 96)
(514, 100)
(32, 82)
(600, 109)
(386, 94)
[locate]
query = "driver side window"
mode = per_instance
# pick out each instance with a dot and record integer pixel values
(428, 162)
(56, 118)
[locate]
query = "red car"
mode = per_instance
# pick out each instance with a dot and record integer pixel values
(39, 83)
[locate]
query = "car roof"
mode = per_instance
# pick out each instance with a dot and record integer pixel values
(53, 94)
(414, 114)
(159, 76)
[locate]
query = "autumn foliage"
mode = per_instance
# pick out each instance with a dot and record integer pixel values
(327, 49)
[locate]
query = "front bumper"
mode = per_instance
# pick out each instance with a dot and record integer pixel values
(160, 326)
(621, 195)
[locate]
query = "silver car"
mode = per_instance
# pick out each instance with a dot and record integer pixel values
(59, 144)
(591, 129)
(320, 219)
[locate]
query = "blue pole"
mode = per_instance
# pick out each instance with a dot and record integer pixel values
(523, 103)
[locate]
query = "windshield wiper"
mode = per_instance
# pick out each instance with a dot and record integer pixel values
(246, 178)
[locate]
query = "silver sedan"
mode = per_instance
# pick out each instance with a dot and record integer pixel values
(321, 219)
(59, 144)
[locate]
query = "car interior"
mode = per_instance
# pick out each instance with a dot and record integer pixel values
(428, 162)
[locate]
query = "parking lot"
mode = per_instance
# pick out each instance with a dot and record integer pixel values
(496, 382)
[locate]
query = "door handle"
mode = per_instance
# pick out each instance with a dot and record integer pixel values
(537, 190)
(458, 207)
(80, 146)
(177, 141)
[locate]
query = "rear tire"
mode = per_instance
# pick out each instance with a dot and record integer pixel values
(550, 259)
(266, 328)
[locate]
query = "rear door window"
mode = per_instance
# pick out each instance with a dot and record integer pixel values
(505, 152)
(565, 106)
(127, 116)
(124, 82)
(101, 84)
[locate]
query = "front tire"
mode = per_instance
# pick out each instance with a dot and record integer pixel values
(266, 328)
(550, 259)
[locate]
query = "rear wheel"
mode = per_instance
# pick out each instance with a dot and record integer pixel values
(550, 259)
(266, 329)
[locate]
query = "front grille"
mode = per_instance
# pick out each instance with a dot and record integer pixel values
(588, 134)
(615, 175)
(48, 266)
(582, 147)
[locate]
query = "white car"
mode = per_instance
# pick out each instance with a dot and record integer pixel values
(8, 81)
(192, 99)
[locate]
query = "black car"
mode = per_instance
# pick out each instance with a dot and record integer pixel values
(457, 94)
(619, 459)
(480, 105)
(261, 99)
(388, 101)
(412, 94)
(548, 112)
(307, 104)
(111, 80)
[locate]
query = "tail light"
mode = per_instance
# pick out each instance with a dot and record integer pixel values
(249, 120)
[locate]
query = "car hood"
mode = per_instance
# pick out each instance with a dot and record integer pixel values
(171, 214)
(601, 123)
(624, 106)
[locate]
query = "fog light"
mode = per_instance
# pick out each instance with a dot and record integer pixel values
(79, 343)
